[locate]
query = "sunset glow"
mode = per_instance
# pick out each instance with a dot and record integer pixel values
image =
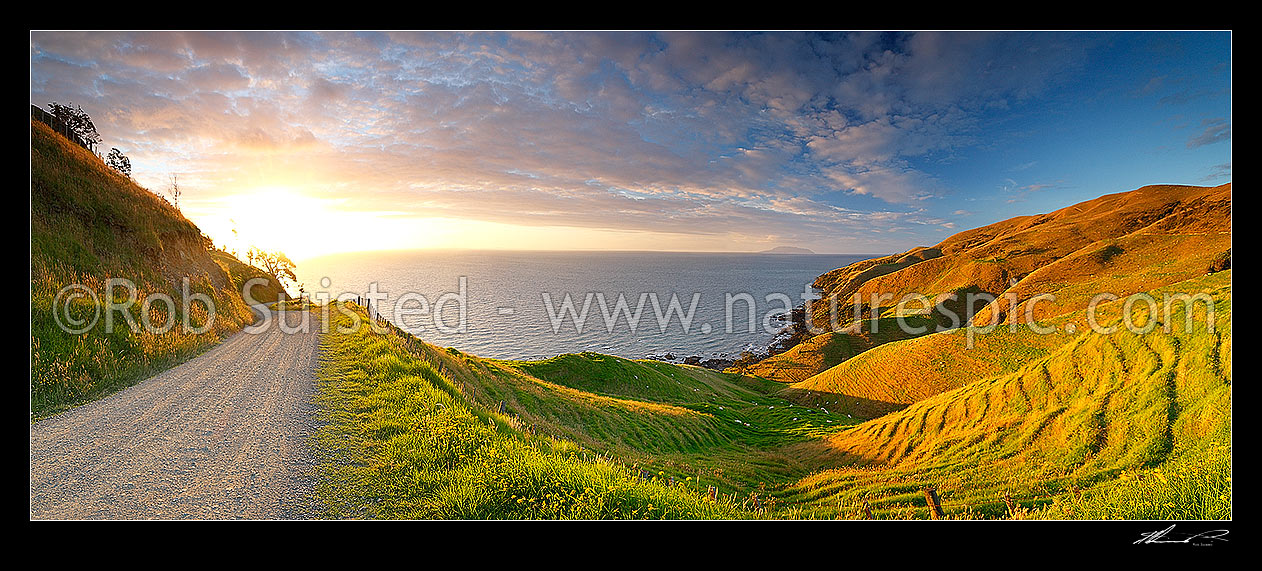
(330, 142)
(594, 276)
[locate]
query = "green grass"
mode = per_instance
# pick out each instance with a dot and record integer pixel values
(402, 442)
(810, 357)
(682, 421)
(1078, 426)
(645, 380)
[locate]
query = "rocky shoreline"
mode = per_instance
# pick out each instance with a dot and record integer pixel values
(718, 361)
(787, 337)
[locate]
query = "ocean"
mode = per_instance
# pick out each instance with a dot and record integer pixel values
(536, 305)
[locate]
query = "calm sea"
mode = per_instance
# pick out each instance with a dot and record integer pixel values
(513, 304)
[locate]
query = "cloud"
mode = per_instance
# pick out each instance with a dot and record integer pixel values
(1215, 131)
(1153, 85)
(1188, 96)
(669, 132)
(1019, 193)
(1218, 172)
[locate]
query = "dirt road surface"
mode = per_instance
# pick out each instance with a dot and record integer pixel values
(225, 435)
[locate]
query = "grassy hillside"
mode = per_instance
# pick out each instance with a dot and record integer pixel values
(90, 224)
(403, 441)
(897, 374)
(241, 273)
(1004, 422)
(806, 359)
(1122, 243)
(679, 420)
(816, 354)
(1092, 414)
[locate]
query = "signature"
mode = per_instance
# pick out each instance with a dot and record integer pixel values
(1164, 536)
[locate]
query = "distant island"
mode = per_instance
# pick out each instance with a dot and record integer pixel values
(787, 250)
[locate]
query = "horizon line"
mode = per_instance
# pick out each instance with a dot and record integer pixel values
(592, 250)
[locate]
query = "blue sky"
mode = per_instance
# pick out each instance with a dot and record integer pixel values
(839, 142)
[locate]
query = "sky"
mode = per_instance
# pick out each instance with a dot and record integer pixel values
(866, 142)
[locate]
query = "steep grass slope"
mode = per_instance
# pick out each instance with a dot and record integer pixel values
(894, 375)
(643, 380)
(1121, 243)
(1033, 268)
(240, 273)
(421, 431)
(90, 224)
(404, 440)
(1095, 408)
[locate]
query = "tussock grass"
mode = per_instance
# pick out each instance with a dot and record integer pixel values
(1194, 485)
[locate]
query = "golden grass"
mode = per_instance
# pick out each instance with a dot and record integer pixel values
(1057, 252)
(808, 358)
(1077, 418)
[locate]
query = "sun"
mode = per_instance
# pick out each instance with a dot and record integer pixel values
(304, 225)
(277, 218)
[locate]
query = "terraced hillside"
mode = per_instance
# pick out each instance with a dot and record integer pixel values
(894, 375)
(1123, 416)
(1096, 408)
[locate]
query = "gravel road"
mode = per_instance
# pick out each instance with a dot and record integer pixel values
(222, 436)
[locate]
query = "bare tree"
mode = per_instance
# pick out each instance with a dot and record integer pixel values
(174, 189)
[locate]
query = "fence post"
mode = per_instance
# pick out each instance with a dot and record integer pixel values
(1012, 508)
(935, 505)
